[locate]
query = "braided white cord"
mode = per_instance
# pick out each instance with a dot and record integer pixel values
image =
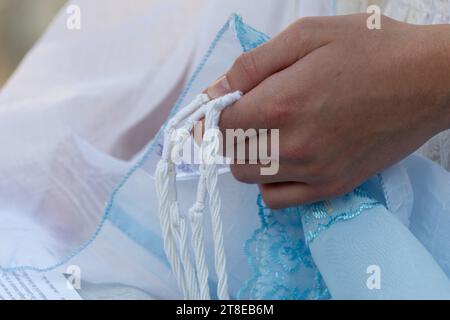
(164, 171)
(196, 215)
(180, 231)
(210, 148)
(185, 112)
(196, 212)
(172, 224)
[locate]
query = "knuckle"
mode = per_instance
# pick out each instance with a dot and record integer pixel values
(302, 29)
(289, 37)
(305, 24)
(277, 112)
(282, 103)
(294, 149)
(246, 63)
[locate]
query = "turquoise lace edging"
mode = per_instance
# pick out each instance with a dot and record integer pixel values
(280, 260)
(320, 216)
(278, 252)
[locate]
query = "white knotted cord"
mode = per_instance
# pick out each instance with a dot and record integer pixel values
(210, 148)
(173, 225)
(193, 282)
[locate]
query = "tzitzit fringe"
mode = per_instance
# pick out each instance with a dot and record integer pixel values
(192, 277)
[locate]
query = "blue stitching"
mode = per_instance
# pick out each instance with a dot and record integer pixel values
(243, 31)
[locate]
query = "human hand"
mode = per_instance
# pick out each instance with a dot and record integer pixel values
(348, 102)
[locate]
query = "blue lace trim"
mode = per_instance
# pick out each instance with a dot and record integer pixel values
(278, 251)
(280, 259)
(320, 216)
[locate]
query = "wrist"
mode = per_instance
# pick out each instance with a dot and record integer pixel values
(440, 56)
(425, 71)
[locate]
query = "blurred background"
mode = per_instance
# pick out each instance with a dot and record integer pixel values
(23, 21)
(21, 24)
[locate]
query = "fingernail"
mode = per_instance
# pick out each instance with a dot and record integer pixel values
(219, 88)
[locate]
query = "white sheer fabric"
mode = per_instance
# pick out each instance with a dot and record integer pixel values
(83, 104)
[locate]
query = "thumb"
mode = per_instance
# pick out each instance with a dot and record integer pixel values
(252, 67)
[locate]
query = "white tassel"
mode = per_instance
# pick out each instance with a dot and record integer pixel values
(163, 175)
(174, 228)
(193, 283)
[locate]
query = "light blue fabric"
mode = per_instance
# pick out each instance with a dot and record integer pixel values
(279, 253)
(347, 252)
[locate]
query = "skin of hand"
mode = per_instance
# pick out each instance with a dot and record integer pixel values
(348, 102)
